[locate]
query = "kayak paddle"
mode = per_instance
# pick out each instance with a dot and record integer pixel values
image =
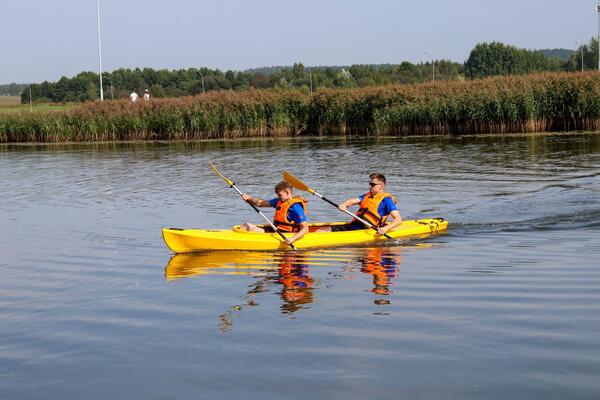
(232, 185)
(298, 184)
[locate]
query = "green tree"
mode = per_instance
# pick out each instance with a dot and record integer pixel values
(590, 57)
(489, 59)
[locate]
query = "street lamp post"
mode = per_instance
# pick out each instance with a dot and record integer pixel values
(598, 9)
(100, 53)
(202, 78)
(112, 93)
(433, 65)
(581, 46)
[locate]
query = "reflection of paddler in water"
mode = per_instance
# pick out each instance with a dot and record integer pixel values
(294, 276)
(225, 321)
(382, 263)
(288, 269)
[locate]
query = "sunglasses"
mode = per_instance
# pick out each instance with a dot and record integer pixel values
(374, 184)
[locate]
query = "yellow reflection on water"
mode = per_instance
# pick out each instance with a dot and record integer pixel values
(289, 273)
(243, 262)
(220, 263)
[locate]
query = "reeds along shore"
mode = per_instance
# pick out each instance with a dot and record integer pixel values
(539, 102)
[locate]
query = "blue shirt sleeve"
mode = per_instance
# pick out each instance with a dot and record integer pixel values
(386, 207)
(296, 214)
(361, 197)
(273, 203)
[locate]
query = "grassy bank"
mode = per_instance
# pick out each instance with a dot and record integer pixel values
(540, 102)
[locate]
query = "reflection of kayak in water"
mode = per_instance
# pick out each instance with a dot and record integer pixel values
(221, 263)
(290, 271)
(191, 240)
(254, 263)
(289, 274)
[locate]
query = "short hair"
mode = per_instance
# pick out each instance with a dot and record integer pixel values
(378, 176)
(282, 186)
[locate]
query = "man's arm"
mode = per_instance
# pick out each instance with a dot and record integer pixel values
(348, 203)
(300, 234)
(258, 202)
(396, 222)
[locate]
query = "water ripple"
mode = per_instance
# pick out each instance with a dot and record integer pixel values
(93, 305)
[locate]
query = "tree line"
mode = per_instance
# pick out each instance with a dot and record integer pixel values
(486, 59)
(490, 59)
(12, 89)
(175, 83)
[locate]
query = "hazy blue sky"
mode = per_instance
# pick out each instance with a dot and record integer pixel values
(45, 39)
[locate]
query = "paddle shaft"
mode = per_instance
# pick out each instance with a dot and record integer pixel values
(365, 222)
(264, 216)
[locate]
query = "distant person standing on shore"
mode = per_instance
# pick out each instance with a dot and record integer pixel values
(134, 97)
(146, 95)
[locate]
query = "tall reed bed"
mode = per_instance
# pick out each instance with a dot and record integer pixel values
(539, 102)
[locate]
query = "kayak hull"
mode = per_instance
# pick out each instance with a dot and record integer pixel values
(194, 240)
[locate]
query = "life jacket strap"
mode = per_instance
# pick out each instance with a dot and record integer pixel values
(367, 214)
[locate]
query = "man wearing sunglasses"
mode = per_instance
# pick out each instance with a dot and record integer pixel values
(375, 206)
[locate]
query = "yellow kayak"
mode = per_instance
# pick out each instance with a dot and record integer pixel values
(193, 240)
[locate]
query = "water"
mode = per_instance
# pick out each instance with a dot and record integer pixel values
(506, 304)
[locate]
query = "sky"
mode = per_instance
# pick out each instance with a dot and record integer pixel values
(47, 39)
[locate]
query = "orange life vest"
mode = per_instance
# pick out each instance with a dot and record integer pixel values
(369, 208)
(281, 210)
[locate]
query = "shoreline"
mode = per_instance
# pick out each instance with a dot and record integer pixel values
(328, 138)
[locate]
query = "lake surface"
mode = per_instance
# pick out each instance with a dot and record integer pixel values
(505, 305)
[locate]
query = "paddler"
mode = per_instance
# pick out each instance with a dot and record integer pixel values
(375, 206)
(290, 212)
